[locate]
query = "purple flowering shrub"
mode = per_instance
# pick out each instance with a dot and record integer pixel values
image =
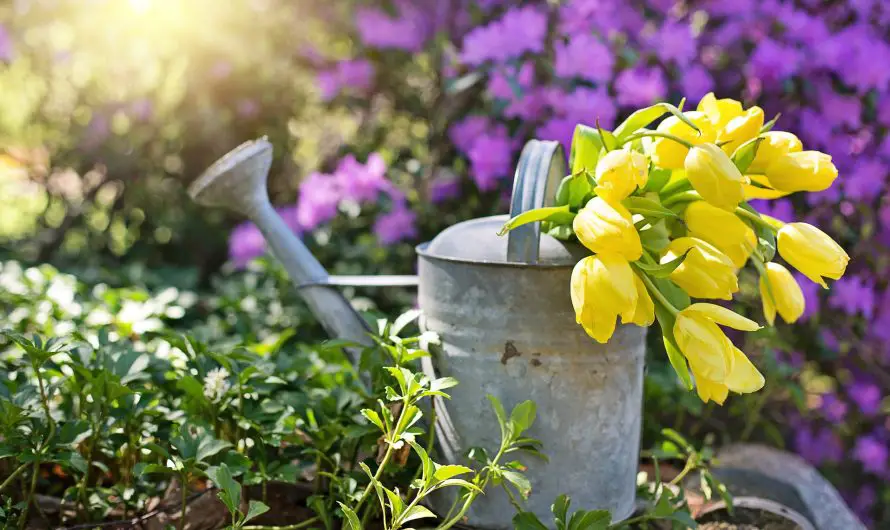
(501, 73)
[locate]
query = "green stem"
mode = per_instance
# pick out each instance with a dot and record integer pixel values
(49, 417)
(754, 218)
(471, 496)
(690, 465)
(183, 496)
(297, 526)
(386, 457)
(754, 417)
(674, 186)
(653, 290)
(677, 139)
(18, 471)
(686, 196)
(512, 498)
(24, 518)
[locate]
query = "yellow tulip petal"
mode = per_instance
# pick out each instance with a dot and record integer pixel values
(723, 316)
(711, 391)
(744, 377)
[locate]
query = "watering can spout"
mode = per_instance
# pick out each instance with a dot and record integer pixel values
(237, 181)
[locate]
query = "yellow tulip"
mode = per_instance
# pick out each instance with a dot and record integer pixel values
(714, 176)
(606, 227)
(705, 273)
(602, 287)
(619, 173)
(774, 145)
(668, 154)
(719, 111)
(763, 191)
(780, 291)
(710, 353)
(723, 229)
(743, 379)
(740, 129)
(643, 313)
(812, 252)
(803, 171)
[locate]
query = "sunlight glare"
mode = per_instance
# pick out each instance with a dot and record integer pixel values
(140, 6)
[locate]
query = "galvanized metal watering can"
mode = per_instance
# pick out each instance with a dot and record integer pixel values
(502, 309)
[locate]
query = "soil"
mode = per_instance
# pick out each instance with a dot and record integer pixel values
(745, 519)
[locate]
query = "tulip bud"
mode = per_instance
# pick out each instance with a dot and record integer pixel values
(602, 287)
(705, 273)
(667, 153)
(607, 227)
(812, 252)
(803, 171)
(743, 379)
(619, 173)
(719, 111)
(723, 229)
(780, 291)
(709, 351)
(714, 176)
(740, 129)
(643, 313)
(774, 145)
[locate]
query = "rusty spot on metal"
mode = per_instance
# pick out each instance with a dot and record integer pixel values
(510, 351)
(535, 362)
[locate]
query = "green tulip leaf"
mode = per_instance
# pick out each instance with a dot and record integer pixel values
(647, 207)
(586, 146)
(745, 153)
(644, 117)
(554, 214)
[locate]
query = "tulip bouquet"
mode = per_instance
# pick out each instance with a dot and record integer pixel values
(664, 212)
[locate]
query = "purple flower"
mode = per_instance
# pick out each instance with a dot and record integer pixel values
(464, 133)
(491, 159)
(695, 81)
(832, 408)
(584, 57)
(6, 49)
(355, 74)
(810, 295)
(780, 209)
(819, 447)
(863, 502)
(319, 196)
(408, 31)
(605, 17)
(839, 110)
(871, 452)
(640, 86)
(772, 62)
(396, 225)
(867, 396)
(866, 181)
(519, 30)
(510, 83)
(853, 294)
(674, 42)
(586, 105)
(245, 243)
(559, 129)
(361, 183)
(443, 188)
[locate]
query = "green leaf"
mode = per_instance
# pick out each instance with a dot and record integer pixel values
(560, 509)
(766, 238)
(590, 520)
(230, 492)
(575, 188)
(678, 439)
(527, 521)
(663, 508)
(209, 446)
(768, 126)
(745, 153)
(585, 151)
(396, 505)
(443, 383)
(374, 418)
(647, 207)
(449, 471)
(457, 482)
(684, 518)
(643, 117)
(192, 387)
(417, 512)
(149, 469)
(658, 177)
(662, 270)
(522, 417)
(255, 509)
(678, 362)
(559, 214)
(518, 480)
(501, 414)
(655, 238)
(351, 518)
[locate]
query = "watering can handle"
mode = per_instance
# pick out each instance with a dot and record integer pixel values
(541, 167)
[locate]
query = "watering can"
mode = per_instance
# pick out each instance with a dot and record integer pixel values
(502, 310)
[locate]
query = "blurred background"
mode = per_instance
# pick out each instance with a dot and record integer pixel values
(393, 119)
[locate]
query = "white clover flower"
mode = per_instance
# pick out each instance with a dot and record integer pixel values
(215, 384)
